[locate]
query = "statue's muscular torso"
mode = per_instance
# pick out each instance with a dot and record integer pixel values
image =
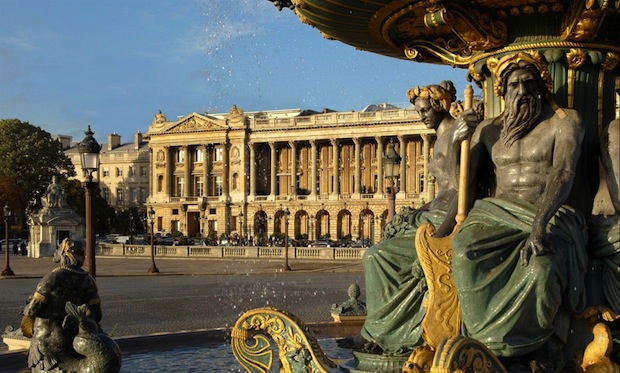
(524, 169)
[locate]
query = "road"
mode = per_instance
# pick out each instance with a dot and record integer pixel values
(139, 305)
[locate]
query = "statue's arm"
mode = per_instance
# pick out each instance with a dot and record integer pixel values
(566, 151)
(476, 152)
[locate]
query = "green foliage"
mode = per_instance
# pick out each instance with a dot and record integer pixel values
(30, 157)
(104, 216)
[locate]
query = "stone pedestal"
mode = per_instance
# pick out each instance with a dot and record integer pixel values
(55, 222)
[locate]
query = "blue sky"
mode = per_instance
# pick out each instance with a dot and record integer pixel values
(113, 64)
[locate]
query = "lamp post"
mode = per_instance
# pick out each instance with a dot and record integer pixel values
(89, 158)
(151, 214)
(286, 214)
(7, 271)
(372, 229)
(391, 164)
(241, 225)
(130, 227)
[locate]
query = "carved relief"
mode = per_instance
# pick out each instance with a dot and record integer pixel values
(235, 157)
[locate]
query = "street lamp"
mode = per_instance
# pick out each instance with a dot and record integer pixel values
(241, 224)
(391, 164)
(153, 268)
(89, 150)
(7, 216)
(286, 214)
(130, 227)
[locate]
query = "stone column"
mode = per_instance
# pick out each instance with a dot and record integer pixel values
(293, 145)
(226, 175)
(336, 163)
(187, 174)
(169, 170)
(205, 172)
(380, 180)
(426, 155)
(208, 168)
(152, 175)
(252, 171)
(403, 165)
(272, 191)
(358, 166)
(313, 166)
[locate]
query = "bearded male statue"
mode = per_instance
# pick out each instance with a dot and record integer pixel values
(520, 258)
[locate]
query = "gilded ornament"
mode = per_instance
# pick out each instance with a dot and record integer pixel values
(497, 67)
(298, 348)
(575, 58)
(611, 62)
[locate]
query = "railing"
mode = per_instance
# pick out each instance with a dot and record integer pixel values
(231, 252)
(340, 118)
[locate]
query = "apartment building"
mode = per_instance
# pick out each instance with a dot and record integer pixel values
(123, 174)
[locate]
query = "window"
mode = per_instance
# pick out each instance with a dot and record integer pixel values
(106, 194)
(144, 171)
(143, 194)
(106, 172)
(180, 156)
(218, 186)
(130, 171)
(132, 195)
(218, 154)
(200, 156)
(160, 183)
(119, 172)
(421, 181)
(180, 186)
(119, 196)
(199, 185)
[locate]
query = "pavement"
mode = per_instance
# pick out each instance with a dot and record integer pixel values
(26, 267)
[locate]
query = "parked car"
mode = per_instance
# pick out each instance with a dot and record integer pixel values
(360, 243)
(165, 241)
(322, 242)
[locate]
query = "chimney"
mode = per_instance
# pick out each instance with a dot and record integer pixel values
(114, 140)
(65, 141)
(137, 140)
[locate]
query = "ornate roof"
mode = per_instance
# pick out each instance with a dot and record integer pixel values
(460, 32)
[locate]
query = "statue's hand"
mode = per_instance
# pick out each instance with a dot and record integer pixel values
(536, 245)
(465, 125)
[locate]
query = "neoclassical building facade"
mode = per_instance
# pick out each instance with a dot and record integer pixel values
(238, 172)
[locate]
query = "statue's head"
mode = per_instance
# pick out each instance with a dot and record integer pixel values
(524, 82)
(531, 61)
(70, 253)
(433, 101)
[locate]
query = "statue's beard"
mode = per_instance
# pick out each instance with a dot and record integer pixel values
(520, 117)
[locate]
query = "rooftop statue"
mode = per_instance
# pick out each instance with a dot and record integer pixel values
(62, 318)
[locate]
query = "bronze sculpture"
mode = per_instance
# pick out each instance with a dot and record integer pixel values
(62, 318)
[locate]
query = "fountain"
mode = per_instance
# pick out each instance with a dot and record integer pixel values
(494, 305)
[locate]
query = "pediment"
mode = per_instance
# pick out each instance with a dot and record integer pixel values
(197, 122)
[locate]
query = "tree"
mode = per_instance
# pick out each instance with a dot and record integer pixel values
(30, 157)
(104, 216)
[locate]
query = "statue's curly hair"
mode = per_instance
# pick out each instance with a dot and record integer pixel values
(71, 253)
(439, 95)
